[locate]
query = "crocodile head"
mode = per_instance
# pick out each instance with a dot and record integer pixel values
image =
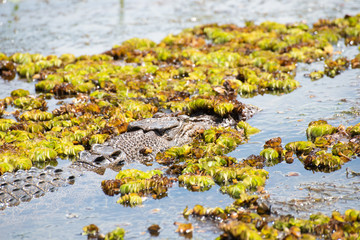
(147, 137)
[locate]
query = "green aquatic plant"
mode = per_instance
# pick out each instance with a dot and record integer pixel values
(5, 124)
(238, 223)
(198, 210)
(42, 154)
(328, 147)
(316, 75)
(353, 130)
(18, 136)
(248, 130)
(300, 147)
(117, 234)
(35, 128)
(131, 181)
(93, 232)
(214, 141)
(19, 93)
(131, 199)
(137, 174)
(318, 129)
(269, 154)
(196, 182)
(10, 162)
(98, 138)
(68, 149)
(247, 179)
(239, 230)
(157, 186)
(200, 70)
(335, 67)
(222, 175)
(6, 167)
(345, 150)
(323, 161)
(29, 103)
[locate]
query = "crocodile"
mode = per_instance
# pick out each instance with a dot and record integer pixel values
(141, 143)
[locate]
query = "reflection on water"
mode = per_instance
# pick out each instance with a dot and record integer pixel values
(91, 26)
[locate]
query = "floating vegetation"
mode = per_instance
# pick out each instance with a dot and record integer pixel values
(246, 179)
(201, 70)
(300, 147)
(355, 62)
(273, 151)
(237, 223)
(318, 129)
(93, 232)
(131, 199)
(239, 230)
(29, 103)
(335, 67)
(316, 75)
(196, 182)
(323, 161)
(137, 174)
(20, 93)
(248, 130)
(214, 141)
(329, 148)
(132, 184)
(185, 229)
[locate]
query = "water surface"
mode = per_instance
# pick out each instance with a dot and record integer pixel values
(90, 26)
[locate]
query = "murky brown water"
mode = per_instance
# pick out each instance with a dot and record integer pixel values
(91, 26)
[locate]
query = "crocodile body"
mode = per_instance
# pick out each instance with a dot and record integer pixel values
(142, 141)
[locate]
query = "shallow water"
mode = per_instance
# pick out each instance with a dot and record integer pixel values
(90, 26)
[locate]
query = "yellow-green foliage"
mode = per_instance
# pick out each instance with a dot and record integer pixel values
(196, 182)
(93, 232)
(269, 154)
(248, 130)
(240, 230)
(131, 199)
(354, 130)
(199, 70)
(318, 129)
(10, 162)
(135, 181)
(323, 160)
(117, 234)
(300, 146)
(137, 174)
(239, 60)
(5, 124)
(20, 93)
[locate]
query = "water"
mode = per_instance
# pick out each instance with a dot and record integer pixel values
(90, 26)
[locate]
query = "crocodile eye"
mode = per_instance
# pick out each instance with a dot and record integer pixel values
(99, 159)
